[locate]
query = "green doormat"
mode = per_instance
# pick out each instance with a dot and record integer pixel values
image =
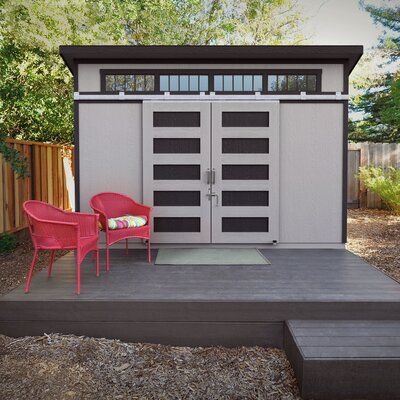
(210, 257)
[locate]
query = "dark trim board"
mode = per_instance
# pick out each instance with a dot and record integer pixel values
(173, 333)
(213, 54)
(345, 169)
(76, 156)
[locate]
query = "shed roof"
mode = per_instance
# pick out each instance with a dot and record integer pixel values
(211, 54)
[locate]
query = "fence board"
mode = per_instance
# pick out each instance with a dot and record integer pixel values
(46, 181)
(376, 154)
(1, 195)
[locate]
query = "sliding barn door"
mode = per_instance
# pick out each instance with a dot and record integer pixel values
(176, 157)
(245, 160)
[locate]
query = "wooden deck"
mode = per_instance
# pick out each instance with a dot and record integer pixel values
(201, 305)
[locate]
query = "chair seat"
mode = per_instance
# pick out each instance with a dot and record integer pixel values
(126, 222)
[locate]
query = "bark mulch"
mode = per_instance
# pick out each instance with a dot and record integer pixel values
(374, 235)
(69, 367)
(14, 266)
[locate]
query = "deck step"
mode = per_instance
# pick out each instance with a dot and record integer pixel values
(345, 359)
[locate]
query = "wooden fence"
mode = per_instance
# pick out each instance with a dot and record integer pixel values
(50, 179)
(364, 154)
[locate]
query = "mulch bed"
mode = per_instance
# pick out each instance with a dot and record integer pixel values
(70, 367)
(374, 235)
(14, 266)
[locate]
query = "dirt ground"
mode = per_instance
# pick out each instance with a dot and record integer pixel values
(14, 266)
(374, 235)
(68, 367)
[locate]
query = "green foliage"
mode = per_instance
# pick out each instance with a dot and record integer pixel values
(380, 103)
(35, 86)
(8, 243)
(17, 161)
(385, 183)
(379, 98)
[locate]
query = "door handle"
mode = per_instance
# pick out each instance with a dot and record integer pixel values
(213, 176)
(217, 198)
(211, 194)
(208, 174)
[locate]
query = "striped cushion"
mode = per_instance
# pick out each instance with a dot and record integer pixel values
(127, 221)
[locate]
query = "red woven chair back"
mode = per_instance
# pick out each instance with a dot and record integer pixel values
(112, 204)
(40, 210)
(44, 233)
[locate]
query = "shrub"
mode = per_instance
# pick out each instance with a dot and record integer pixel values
(8, 243)
(385, 183)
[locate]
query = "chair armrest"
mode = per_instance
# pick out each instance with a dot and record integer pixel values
(88, 224)
(141, 209)
(102, 217)
(66, 234)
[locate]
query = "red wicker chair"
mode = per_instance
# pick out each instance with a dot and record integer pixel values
(111, 205)
(54, 229)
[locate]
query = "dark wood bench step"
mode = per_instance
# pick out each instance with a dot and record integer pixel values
(345, 359)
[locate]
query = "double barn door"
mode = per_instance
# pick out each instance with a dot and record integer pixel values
(211, 171)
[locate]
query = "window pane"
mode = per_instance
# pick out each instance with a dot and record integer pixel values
(257, 83)
(292, 83)
(194, 83)
(312, 83)
(281, 83)
(130, 83)
(173, 83)
(149, 83)
(302, 82)
(248, 83)
(218, 83)
(120, 83)
(183, 83)
(164, 87)
(228, 83)
(110, 83)
(203, 83)
(272, 83)
(140, 87)
(238, 83)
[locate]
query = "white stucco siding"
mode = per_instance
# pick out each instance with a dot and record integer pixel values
(110, 150)
(311, 137)
(89, 74)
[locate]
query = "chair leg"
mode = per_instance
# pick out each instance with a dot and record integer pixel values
(97, 263)
(78, 273)
(107, 258)
(51, 262)
(126, 246)
(28, 282)
(148, 251)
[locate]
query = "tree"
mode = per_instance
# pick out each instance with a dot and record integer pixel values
(35, 86)
(379, 101)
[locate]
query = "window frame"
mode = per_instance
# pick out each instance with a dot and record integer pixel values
(287, 72)
(211, 73)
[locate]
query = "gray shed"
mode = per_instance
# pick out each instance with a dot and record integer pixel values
(230, 144)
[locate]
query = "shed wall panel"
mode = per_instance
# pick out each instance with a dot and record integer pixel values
(89, 74)
(110, 146)
(311, 173)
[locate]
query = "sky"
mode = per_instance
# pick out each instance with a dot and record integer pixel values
(340, 22)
